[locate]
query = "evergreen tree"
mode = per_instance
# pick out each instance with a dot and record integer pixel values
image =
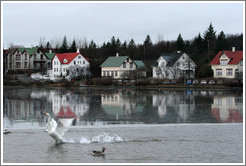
(147, 41)
(198, 44)
(210, 33)
(92, 45)
(73, 47)
(210, 38)
(131, 44)
(180, 43)
(113, 42)
(64, 47)
(221, 43)
(48, 47)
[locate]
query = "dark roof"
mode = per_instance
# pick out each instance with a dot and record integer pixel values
(171, 58)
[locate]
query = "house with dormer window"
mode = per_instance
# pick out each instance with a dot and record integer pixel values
(63, 64)
(174, 66)
(27, 58)
(118, 67)
(228, 64)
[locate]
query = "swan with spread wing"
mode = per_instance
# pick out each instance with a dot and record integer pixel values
(56, 130)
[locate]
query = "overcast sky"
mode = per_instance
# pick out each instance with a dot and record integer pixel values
(27, 23)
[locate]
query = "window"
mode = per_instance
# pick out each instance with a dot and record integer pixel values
(41, 56)
(131, 65)
(115, 73)
(241, 63)
(25, 65)
(112, 73)
(74, 62)
(218, 72)
(18, 57)
(83, 62)
(18, 65)
(124, 64)
(223, 62)
(107, 73)
(25, 56)
(104, 73)
(229, 72)
(79, 57)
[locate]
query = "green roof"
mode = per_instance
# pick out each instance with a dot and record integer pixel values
(30, 51)
(140, 64)
(50, 55)
(114, 61)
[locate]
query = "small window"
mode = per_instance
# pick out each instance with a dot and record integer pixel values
(219, 72)
(124, 64)
(74, 62)
(229, 72)
(131, 65)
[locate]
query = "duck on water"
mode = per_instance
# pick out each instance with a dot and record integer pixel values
(98, 153)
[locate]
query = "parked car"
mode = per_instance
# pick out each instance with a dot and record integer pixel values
(195, 82)
(189, 82)
(203, 82)
(166, 82)
(211, 82)
(220, 82)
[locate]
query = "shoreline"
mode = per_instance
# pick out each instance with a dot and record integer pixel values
(147, 87)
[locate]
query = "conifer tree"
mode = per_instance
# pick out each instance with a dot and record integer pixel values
(73, 47)
(180, 43)
(64, 47)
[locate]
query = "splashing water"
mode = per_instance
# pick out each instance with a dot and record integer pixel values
(102, 138)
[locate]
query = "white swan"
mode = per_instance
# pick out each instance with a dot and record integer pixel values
(56, 131)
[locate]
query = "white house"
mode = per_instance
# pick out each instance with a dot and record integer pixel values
(27, 58)
(69, 64)
(228, 64)
(122, 66)
(174, 66)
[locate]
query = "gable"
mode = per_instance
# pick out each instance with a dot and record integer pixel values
(234, 57)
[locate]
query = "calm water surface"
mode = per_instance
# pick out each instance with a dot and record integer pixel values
(136, 126)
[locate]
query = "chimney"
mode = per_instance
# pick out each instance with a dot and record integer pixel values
(233, 49)
(50, 51)
(78, 50)
(117, 54)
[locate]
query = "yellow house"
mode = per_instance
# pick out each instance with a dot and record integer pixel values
(228, 64)
(118, 67)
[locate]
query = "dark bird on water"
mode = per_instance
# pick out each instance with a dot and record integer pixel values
(98, 153)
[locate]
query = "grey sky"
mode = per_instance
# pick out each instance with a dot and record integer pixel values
(26, 23)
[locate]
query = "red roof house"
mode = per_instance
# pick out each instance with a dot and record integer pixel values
(228, 64)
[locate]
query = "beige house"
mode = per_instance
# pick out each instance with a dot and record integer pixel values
(228, 64)
(121, 67)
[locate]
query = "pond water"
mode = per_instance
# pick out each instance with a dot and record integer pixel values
(135, 125)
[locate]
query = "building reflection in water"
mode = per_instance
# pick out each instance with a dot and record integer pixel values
(29, 106)
(179, 103)
(227, 108)
(121, 105)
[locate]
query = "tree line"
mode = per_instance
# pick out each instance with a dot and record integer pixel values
(201, 49)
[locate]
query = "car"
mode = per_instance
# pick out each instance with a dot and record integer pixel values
(195, 82)
(166, 82)
(211, 82)
(203, 82)
(189, 82)
(220, 82)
